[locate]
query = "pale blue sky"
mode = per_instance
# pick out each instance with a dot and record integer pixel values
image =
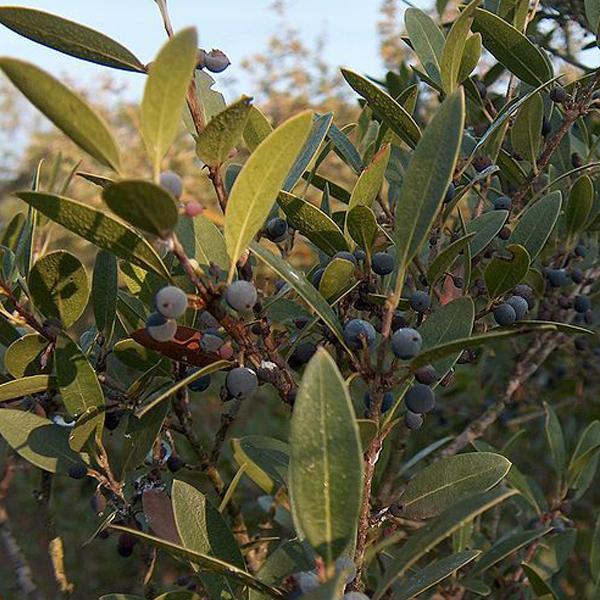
(239, 27)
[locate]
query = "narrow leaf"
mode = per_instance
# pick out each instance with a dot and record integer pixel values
(450, 480)
(326, 459)
(502, 274)
(68, 111)
(142, 204)
(223, 132)
(259, 182)
(513, 49)
(98, 228)
(69, 37)
(394, 115)
(165, 92)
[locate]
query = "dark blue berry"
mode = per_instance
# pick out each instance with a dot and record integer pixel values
(241, 295)
(502, 203)
(581, 251)
(346, 256)
(413, 420)
(556, 277)
(582, 304)
(301, 354)
(276, 229)
(420, 301)
(241, 382)
(77, 471)
(406, 343)
(201, 384)
(450, 193)
(520, 305)
(358, 333)
(577, 275)
(317, 276)
(360, 255)
(426, 375)
(505, 315)
(382, 263)
(420, 399)
(174, 463)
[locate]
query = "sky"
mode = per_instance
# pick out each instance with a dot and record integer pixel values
(238, 27)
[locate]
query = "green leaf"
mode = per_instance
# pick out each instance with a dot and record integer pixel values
(434, 573)
(144, 205)
(313, 223)
(502, 274)
(302, 287)
(169, 77)
(204, 562)
(77, 381)
(485, 227)
(25, 386)
(429, 536)
(536, 224)
(584, 457)
(202, 529)
(37, 440)
(326, 470)
(182, 383)
(69, 37)
(345, 148)
(266, 460)
(23, 356)
(203, 240)
(426, 39)
(592, 13)
(393, 114)
(317, 134)
(98, 228)
(337, 278)
(59, 286)
(257, 129)
(581, 199)
(362, 226)
(513, 49)
(369, 183)
(68, 111)
(526, 130)
(454, 47)
(458, 345)
(470, 57)
(506, 547)
(121, 597)
(223, 132)
(450, 480)
(540, 587)
(555, 439)
(260, 181)
(445, 259)
(595, 551)
(289, 557)
(105, 286)
(423, 188)
(179, 595)
(450, 322)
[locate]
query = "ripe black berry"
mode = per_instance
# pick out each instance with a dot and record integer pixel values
(406, 343)
(382, 263)
(420, 301)
(77, 471)
(426, 375)
(505, 315)
(276, 229)
(174, 463)
(413, 420)
(558, 94)
(420, 399)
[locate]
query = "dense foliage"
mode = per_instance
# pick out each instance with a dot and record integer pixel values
(392, 417)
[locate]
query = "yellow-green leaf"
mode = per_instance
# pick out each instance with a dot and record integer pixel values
(69, 37)
(68, 111)
(165, 92)
(260, 181)
(143, 204)
(325, 473)
(98, 228)
(223, 132)
(59, 286)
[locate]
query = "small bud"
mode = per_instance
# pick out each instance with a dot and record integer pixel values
(193, 208)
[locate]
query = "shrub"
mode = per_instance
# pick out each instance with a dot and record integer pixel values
(461, 266)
